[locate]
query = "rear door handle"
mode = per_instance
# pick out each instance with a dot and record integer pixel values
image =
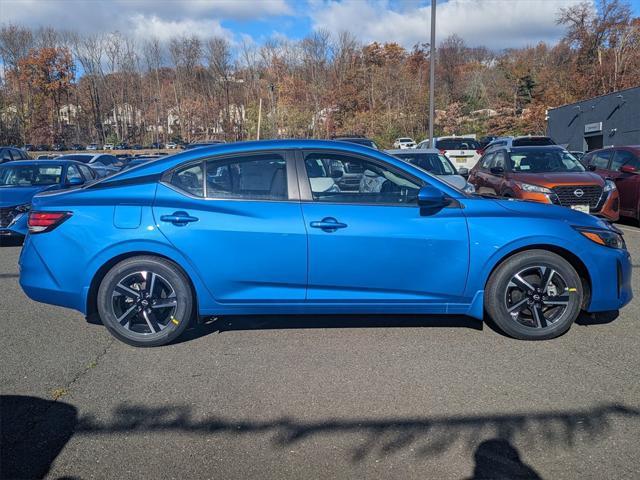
(179, 218)
(328, 224)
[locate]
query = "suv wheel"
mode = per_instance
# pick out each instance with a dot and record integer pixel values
(534, 295)
(145, 301)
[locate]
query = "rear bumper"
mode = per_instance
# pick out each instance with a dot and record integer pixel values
(40, 284)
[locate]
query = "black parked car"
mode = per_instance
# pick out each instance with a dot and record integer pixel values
(77, 147)
(121, 146)
(43, 147)
(360, 140)
(8, 154)
(60, 147)
(204, 143)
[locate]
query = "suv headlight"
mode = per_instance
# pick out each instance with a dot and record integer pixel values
(527, 187)
(609, 185)
(607, 238)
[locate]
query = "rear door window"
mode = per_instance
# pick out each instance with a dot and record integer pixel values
(253, 177)
(601, 159)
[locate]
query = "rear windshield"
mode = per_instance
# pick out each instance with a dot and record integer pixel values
(544, 161)
(458, 144)
(533, 142)
(434, 163)
(30, 175)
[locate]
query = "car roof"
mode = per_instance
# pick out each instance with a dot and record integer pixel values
(43, 161)
(162, 164)
(405, 151)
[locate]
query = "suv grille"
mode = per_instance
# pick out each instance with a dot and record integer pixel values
(590, 195)
(5, 216)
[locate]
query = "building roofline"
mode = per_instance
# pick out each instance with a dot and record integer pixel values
(617, 92)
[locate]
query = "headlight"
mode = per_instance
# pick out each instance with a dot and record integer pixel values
(607, 238)
(609, 185)
(527, 187)
(468, 188)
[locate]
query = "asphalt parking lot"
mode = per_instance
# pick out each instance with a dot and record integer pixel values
(313, 397)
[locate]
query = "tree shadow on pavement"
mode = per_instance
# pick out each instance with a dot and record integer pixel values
(425, 436)
(33, 432)
(284, 322)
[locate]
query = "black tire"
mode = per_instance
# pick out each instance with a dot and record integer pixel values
(148, 324)
(527, 319)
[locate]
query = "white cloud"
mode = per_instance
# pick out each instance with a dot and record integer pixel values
(497, 24)
(162, 18)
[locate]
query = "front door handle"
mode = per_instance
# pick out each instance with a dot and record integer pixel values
(179, 218)
(328, 224)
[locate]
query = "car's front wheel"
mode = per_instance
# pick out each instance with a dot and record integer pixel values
(534, 295)
(145, 301)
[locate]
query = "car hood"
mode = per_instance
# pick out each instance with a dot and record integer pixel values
(551, 179)
(546, 210)
(10, 196)
(457, 181)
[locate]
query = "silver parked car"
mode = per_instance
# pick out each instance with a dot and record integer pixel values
(434, 162)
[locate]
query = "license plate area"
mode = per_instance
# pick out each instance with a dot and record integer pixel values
(581, 208)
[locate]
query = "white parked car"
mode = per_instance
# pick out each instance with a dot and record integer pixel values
(404, 142)
(92, 146)
(434, 162)
(108, 146)
(171, 145)
(464, 152)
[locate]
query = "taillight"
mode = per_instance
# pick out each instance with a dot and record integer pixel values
(480, 151)
(40, 222)
(443, 151)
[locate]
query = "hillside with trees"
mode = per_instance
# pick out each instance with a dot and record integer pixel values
(59, 86)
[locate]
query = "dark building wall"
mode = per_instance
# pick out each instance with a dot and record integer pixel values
(609, 120)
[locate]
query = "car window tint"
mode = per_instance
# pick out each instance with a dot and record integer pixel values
(255, 177)
(486, 161)
(86, 172)
(73, 172)
(624, 157)
(458, 144)
(190, 179)
(345, 179)
(601, 159)
(499, 160)
(6, 155)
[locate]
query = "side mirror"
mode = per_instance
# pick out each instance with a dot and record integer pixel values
(463, 171)
(591, 168)
(75, 181)
(497, 170)
(628, 169)
(431, 198)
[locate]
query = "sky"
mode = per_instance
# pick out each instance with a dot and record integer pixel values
(496, 24)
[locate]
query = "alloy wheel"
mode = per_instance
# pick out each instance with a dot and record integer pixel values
(537, 296)
(144, 303)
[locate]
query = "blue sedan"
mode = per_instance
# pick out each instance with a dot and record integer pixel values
(269, 228)
(20, 181)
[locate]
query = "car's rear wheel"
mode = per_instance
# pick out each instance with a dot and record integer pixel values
(534, 295)
(145, 301)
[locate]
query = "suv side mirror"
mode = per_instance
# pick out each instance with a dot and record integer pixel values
(628, 169)
(497, 170)
(75, 181)
(463, 171)
(431, 198)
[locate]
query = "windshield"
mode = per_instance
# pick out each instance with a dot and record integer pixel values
(434, 163)
(30, 175)
(540, 161)
(457, 144)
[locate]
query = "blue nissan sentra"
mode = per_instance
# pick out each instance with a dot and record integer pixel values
(272, 227)
(21, 180)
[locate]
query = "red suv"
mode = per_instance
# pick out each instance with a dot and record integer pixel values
(622, 164)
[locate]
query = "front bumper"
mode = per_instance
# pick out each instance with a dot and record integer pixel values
(610, 273)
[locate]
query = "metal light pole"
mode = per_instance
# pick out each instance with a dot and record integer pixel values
(432, 72)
